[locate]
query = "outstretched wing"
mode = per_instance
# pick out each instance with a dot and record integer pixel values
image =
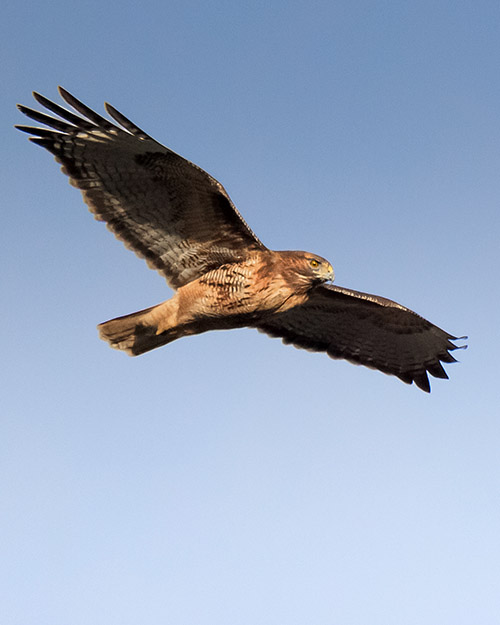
(366, 330)
(164, 208)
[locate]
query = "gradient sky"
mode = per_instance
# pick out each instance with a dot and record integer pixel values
(226, 478)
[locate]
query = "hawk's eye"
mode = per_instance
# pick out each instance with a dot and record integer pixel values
(314, 263)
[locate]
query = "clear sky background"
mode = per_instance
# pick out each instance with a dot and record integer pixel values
(226, 478)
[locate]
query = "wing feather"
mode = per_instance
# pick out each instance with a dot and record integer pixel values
(366, 330)
(163, 207)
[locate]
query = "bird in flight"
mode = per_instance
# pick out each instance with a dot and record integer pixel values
(183, 223)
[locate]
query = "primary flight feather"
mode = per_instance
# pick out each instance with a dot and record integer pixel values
(181, 220)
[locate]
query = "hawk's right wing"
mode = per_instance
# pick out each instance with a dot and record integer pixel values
(163, 207)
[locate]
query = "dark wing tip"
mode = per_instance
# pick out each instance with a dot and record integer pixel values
(84, 110)
(437, 371)
(47, 120)
(35, 131)
(422, 381)
(64, 121)
(87, 120)
(460, 338)
(41, 99)
(435, 368)
(126, 123)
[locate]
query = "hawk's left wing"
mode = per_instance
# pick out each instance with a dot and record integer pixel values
(366, 330)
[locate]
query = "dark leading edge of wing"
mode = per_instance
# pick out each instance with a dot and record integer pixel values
(165, 208)
(366, 330)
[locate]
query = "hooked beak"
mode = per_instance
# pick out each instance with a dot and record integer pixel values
(330, 275)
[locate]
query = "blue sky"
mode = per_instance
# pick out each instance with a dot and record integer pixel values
(227, 478)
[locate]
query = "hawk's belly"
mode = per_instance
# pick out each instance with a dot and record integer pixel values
(234, 296)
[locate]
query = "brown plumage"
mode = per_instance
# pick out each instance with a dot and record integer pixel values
(182, 221)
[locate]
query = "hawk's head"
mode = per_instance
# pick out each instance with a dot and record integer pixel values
(309, 268)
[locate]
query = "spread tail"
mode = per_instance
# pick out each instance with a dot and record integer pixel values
(136, 333)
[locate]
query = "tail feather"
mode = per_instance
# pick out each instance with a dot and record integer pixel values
(135, 333)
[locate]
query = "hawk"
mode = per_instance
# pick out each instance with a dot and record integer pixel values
(183, 223)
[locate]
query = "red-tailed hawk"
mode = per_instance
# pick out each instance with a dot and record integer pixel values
(182, 221)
